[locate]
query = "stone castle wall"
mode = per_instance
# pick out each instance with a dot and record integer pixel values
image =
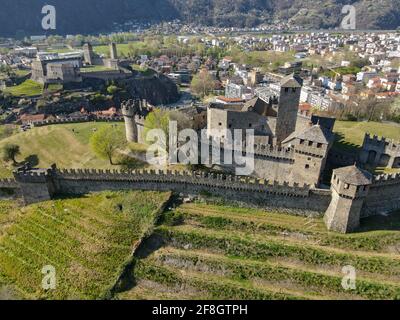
(77, 120)
(384, 195)
(380, 152)
(42, 186)
(36, 186)
(8, 184)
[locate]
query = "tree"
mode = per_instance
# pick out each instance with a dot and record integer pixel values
(112, 89)
(10, 151)
(106, 141)
(159, 119)
(202, 84)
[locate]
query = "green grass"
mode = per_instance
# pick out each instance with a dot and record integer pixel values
(53, 87)
(240, 269)
(313, 231)
(88, 240)
(122, 48)
(144, 71)
(269, 60)
(351, 134)
(224, 252)
(28, 88)
(95, 69)
(350, 137)
(58, 144)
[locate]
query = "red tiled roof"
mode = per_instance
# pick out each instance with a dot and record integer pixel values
(225, 99)
(305, 106)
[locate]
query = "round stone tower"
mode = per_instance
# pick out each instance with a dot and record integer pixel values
(129, 111)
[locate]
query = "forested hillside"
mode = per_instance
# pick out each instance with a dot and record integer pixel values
(94, 16)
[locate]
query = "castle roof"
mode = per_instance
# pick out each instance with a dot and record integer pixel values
(353, 175)
(292, 81)
(254, 104)
(316, 133)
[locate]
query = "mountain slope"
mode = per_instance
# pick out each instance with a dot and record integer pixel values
(93, 16)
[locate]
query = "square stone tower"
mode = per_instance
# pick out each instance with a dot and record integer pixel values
(88, 54)
(288, 107)
(113, 51)
(350, 187)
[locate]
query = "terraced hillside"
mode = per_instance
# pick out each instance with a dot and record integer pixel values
(217, 252)
(87, 240)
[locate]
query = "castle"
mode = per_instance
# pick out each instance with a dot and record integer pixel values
(289, 162)
(66, 67)
(289, 146)
(57, 68)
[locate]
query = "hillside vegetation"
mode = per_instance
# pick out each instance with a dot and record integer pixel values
(94, 16)
(219, 252)
(87, 240)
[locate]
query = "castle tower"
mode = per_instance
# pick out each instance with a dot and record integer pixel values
(88, 53)
(129, 110)
(311, 148)
(113, 51)
(288, 107)
(350, 186)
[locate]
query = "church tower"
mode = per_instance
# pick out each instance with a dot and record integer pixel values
(288, 107)
(129, 110)
(350, 187)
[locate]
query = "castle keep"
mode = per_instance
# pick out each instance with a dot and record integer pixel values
(289, 146)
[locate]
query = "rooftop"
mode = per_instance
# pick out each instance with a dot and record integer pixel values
(317, 134)
(292, 81)
(353, 175)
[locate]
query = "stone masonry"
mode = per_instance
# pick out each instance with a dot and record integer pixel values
(354, 193)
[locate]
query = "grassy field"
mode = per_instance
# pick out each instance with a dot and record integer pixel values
(351, 134)
(95, 69)
(87, 240)
(67, 145)
(122, 48)
(219, 252)
(28, 88)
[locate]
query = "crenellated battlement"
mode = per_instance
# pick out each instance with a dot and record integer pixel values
(184, 178)
(381, 142)
(386, 179)
(9, 184)
(32, 176)
(274, 152)
(77, 120)
(262, 150)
